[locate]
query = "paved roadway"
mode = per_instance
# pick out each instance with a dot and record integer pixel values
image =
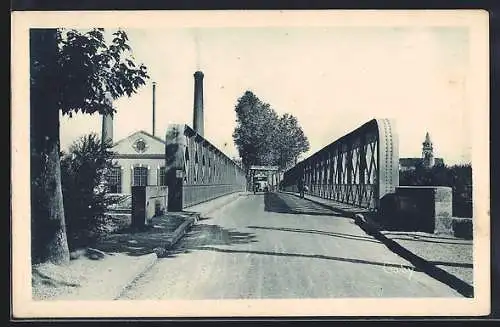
(280, 246)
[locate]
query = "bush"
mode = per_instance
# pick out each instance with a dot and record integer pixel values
(83, 176)
(458, 177)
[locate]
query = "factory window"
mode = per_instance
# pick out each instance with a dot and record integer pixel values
(115, 180)
(140, 176)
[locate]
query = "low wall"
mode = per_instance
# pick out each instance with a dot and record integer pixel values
(195, 194)
(148, 202)
(419, 208)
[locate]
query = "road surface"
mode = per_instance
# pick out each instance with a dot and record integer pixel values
(278, 246)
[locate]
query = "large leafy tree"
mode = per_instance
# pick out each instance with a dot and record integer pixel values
(70, 71)
(289, 141)
(264, 138)
(254, 131)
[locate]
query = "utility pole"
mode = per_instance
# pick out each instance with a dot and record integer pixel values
(154, 104)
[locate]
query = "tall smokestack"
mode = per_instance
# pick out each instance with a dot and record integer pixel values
(198, 103)
(107, 128)
(154, 105)
(107, 123)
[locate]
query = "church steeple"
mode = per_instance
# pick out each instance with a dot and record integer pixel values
(427, 152)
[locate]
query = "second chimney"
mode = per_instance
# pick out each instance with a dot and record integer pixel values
(107, 129)
(198, 103)
(107, 123)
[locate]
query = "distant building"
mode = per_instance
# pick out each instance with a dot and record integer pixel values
(139, 160)
(427, 160)
(262, 176)
(140, 157)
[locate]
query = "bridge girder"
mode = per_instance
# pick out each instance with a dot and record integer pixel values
(196, 170)
(359, 168)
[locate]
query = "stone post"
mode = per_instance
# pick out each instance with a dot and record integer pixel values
(175, 147)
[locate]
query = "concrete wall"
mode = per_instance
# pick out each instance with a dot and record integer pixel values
(195, 194)
(420, 208)
(147, 202)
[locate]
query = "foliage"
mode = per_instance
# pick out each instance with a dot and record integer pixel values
(71, 71)
(93, 73)
(83, 172)
(289, 141)
(458, 177)
(264, 138)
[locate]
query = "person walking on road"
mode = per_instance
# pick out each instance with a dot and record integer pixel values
(300, 186)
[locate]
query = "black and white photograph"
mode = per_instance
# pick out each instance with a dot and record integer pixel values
(250, 163)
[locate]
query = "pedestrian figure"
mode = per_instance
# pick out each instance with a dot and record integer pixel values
(300, 186)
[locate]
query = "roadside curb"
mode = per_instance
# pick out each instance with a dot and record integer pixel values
(140, 271)
(180, 232)
(374, 229)
(177, 235)
(150, 260)
(197, 216)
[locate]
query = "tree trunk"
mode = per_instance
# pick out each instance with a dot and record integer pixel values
(49, 241)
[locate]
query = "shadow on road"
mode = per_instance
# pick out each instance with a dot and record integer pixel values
(452, 264)
(204, 234)
(283, 203)
(430, 268)
(137, 243)
(313, 256)
(429, 238)
(428, 241)
(319, 232)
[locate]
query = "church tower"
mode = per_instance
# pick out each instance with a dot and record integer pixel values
(427, 152)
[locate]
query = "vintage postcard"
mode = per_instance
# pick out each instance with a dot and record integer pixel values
(250, 163)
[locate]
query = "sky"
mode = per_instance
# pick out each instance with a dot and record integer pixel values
(333, 79)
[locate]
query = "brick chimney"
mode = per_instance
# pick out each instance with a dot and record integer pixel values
(198, 103)
(107, 128)
(107, 123)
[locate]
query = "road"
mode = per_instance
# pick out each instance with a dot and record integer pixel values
(279, 246)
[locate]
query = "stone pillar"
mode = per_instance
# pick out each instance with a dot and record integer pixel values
(198, 103)
(423, 208)
(139, 207)
(443, 210)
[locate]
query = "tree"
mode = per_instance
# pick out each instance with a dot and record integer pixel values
(289, 141)
(264, 138)
(70, 71)
(84, 177)
(256, 122)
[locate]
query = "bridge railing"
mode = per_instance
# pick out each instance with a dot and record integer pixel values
(196, 171)
(359, 168)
